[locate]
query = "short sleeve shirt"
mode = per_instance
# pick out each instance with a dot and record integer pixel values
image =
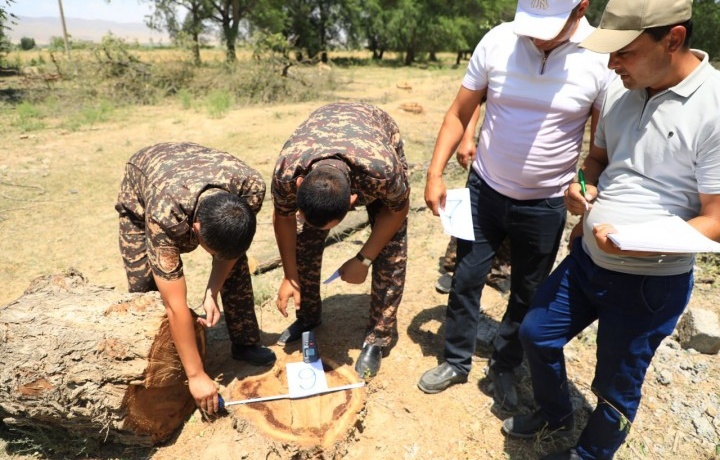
(162, 186)
(360, 139)
(536, 110)
(662, 152)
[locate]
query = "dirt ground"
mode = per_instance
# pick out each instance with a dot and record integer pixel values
(57, 191)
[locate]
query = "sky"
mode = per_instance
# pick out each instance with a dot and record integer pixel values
(116, 10)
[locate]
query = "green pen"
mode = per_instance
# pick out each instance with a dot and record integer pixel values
(583, 187)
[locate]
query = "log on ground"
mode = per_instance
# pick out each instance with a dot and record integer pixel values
(354, 221)
(91, 361)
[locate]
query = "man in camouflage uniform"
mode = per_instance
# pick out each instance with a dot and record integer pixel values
(351, 154)
(173, 198)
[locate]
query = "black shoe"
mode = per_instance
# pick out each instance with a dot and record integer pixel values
(255, 354)
(443, 284)
(504, 391)
(294, 332)
(368, 363)
(499, 283)
(486, 330)
(569, 454)
(528, 426)
(439, 378)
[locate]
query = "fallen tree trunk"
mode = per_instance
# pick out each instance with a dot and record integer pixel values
(353, 221)
(92, 361)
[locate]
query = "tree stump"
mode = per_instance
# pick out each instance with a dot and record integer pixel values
(317, 426)
(91, 361)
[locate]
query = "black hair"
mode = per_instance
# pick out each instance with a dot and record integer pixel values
(658, 33)
(324, 196)
(227, 224)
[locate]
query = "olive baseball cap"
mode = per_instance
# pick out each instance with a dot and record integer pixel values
(543, 19)
(624, 20)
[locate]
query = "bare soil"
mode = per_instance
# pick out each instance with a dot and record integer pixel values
(57, 191)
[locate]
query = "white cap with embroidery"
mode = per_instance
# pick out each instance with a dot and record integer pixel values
(543, 19)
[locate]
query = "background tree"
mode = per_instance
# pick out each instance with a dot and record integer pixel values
(373, 19)
(229, 14)
(595, 11)
(706, 24)
(403, 27)
(165, 17)
(27, 43)
(6, 20)
(706, 27)
(414, 27)
(316, 26)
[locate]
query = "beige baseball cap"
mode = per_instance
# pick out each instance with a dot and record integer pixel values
(543, 19)
(624, 20)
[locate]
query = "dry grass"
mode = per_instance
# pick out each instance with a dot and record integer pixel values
(57, 191)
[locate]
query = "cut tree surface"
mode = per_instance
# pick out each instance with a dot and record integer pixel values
(319, 421)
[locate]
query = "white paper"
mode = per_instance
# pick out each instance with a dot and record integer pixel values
(456, 216)
(305, 379)
(666, 235)
(333, 277)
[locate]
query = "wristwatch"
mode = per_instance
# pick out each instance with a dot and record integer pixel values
(365, 261)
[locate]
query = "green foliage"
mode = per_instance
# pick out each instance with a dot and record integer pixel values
(6, 22)
(268, 46)
(218, 103)
(430, 26)
(185, 97)
(706, 27)
(37, 61)
(28, 117)
(188, 32)
(316, 26)
(56, 43)
(624, 424)
(125, 77)
(595, 10)
(228, 14)
(706, 24)
(27, 43)
(90, 115)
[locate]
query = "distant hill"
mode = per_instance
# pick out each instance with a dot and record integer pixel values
(43, 29)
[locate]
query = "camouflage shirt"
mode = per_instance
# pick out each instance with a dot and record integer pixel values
(361, 140)
(162, 186)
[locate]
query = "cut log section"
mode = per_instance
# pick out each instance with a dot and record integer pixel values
(319, 422)
(92, 361)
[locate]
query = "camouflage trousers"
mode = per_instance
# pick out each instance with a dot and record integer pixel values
(388, 279)
(236, 294)
(499, 276)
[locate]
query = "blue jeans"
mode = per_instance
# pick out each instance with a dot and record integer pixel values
(634, 312)
(534, 228)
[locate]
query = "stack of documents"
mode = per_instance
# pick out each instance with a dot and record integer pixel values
(666, 235)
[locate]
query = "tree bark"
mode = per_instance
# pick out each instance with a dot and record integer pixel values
(91, 361)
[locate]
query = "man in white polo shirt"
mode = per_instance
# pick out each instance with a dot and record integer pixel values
(540, 89)
(656, 154)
